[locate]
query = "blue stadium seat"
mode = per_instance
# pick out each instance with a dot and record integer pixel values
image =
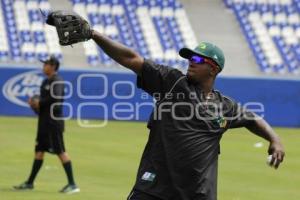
(27, 37)
(153, 28)
(272, 31)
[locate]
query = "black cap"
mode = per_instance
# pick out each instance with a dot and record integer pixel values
(52, 60)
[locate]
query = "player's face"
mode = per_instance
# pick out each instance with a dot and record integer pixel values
(199, 70)
(48, 69)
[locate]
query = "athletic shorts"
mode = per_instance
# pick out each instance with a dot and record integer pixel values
(139, 195)
(51, 142)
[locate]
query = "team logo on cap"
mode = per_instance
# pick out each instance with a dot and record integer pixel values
(202, 46)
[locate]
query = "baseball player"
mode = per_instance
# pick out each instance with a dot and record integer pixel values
(180, 160)
(50, 126)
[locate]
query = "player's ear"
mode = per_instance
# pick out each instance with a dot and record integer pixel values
(214, 71)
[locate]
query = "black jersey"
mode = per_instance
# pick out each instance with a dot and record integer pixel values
(50, 123)
(181, 156)
(51, 94)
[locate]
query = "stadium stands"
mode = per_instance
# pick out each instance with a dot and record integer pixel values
(156, 29)
(24, 36)
(272, 29)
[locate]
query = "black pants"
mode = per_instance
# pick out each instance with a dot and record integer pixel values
(138, 195)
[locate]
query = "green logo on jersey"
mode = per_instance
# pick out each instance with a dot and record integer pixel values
(222, 122)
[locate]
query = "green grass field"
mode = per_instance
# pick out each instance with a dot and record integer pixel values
(105, 161)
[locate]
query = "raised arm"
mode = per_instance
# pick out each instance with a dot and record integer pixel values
(70, 33)
(119, 52)
(261, 128)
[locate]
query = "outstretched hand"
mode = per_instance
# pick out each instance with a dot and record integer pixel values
(277, 151)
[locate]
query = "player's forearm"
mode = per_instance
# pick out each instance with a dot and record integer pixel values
(261, 128)
(119, 52)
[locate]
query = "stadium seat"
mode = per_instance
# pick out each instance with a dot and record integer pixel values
(271, 28)
(24, 37)
(4, 47)
(156, 29)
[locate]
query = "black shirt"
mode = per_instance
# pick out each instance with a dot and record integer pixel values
(51, 98)
(180, 159)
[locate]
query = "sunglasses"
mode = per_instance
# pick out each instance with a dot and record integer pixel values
(201, 60)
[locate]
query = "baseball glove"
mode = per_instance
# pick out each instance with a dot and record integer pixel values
(35, 98)
(71, 28)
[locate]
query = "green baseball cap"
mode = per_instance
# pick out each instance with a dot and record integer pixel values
(207, 50)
